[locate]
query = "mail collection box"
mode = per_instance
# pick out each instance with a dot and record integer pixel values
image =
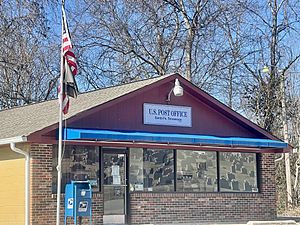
(78, 200)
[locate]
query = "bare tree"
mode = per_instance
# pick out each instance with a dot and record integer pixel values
(272, 31)
(130, 41)
(266, 94)
(24, 75)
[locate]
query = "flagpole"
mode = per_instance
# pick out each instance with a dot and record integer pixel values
(60, 127)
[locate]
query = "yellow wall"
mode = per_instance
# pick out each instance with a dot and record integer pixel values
(12, 199)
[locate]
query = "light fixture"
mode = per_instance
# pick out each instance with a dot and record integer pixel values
(265, 69)
(177, 90)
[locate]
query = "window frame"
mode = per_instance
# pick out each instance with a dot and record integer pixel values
(218, 170)
(127, 150)
(112, 150)
(174, 167)
(54, 182)
(257, 177)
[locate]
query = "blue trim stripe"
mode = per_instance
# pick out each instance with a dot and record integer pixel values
(75, 134)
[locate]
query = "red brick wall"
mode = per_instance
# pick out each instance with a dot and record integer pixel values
(43, 202)
(159, 207)
(214, 207)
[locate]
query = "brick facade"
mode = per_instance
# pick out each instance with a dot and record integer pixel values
(214, 207)
(43, 202)
(159, 207)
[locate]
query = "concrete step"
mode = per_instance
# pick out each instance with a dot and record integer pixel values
(278, 222)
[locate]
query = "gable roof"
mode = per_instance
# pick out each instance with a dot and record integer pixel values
(20, 122)
(25, 120)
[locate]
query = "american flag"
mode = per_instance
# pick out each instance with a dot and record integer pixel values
(69, 68)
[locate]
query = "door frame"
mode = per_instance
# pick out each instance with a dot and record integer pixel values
(116, 150)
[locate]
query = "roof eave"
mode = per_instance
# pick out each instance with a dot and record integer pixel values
(17, 139)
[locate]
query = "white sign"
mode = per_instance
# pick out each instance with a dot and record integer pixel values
(70, 203)
(83, 206)
(138, 187)
(117, 180)
(169, 115)
(115, 170)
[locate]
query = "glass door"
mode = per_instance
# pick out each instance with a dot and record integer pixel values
(114, 187)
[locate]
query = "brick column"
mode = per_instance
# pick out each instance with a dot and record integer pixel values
(42, 201)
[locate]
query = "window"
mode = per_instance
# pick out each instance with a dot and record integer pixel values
(238, 172)
(154, 169)
(196, 171)
(151, 170)
(79, 163)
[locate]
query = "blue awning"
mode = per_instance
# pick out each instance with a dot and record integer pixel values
(132, 136)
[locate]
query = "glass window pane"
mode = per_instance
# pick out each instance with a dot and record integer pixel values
(136, 177)
(114, 200)
(79, 163)
(113, 169)
(238, 172)
(196, 171)
(151, 170)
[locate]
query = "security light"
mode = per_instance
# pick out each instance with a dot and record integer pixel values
(177, 90)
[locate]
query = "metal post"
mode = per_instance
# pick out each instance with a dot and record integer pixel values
(285, 136)
(60, 127)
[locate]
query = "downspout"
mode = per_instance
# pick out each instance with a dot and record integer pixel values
(27, 181)
(280, 158)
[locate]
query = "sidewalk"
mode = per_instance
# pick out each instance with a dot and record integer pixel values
(277, 222)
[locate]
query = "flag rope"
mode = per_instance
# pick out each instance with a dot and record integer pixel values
(67, 87)
(60, 129)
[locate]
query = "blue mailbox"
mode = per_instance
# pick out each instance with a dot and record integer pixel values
(78, 200)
